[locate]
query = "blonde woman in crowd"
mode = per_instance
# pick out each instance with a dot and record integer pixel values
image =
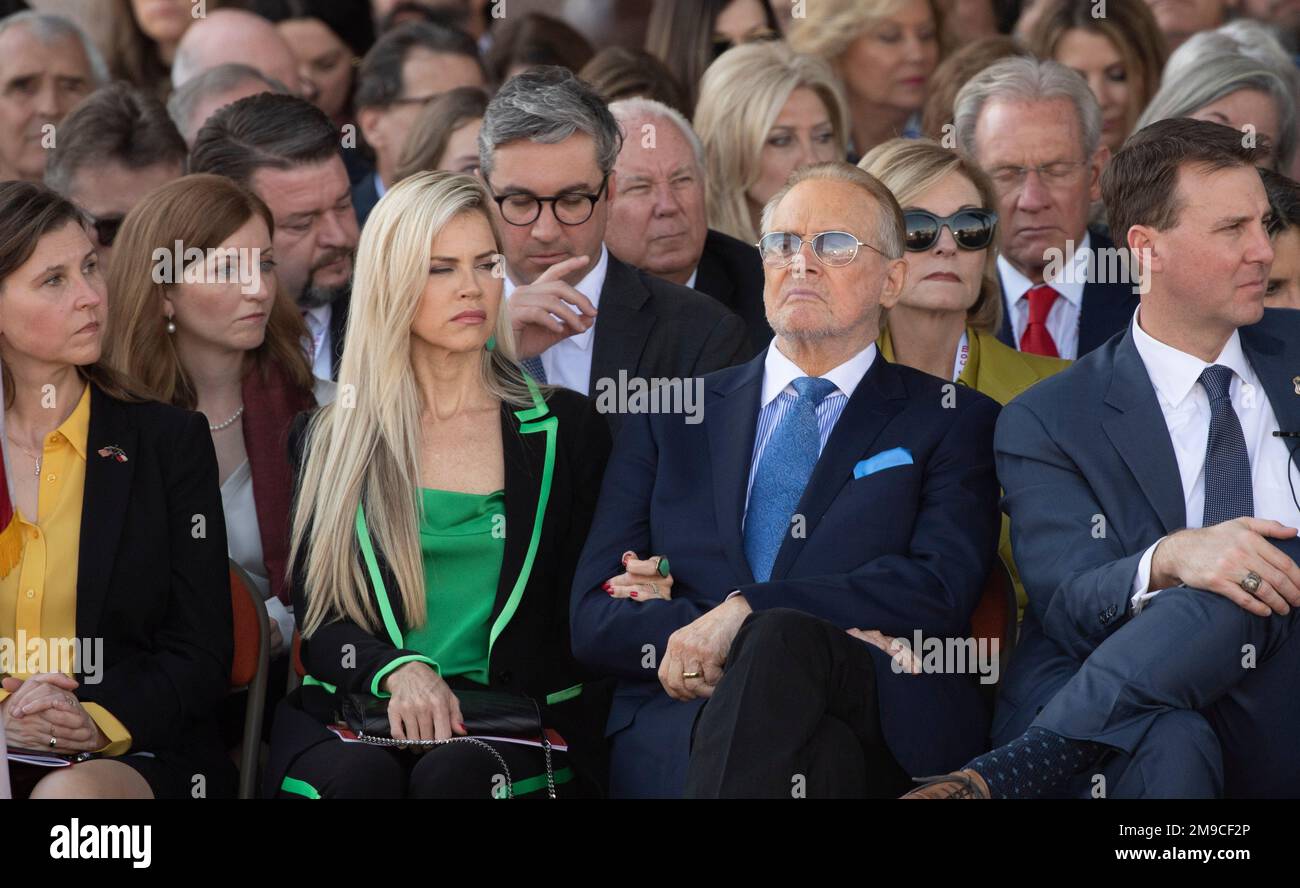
(764, 111)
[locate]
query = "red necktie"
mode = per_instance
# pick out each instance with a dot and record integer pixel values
(1036, 339)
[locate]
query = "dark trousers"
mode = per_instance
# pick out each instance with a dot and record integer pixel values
(1196, 651)
(460, 770)
(794, 715)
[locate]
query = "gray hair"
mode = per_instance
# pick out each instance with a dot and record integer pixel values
(1214, 64)
(53, 28)
(548, 104)
(890, 227)
(1026, 79)
(641, 108)
(189, 94)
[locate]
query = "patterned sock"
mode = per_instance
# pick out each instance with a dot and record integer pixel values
(1034, 764)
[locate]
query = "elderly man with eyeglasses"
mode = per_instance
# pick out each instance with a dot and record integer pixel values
(829, 503)
(1035, 128)
(547, 149)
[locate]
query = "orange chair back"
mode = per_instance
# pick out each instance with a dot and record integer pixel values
(250, 623)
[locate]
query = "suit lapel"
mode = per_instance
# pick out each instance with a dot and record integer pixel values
(1278, 373)
(524, 456)
(732, 419)
(621, 327)
(105, 498)
(876, 400)
(1006, 335)
(1139, 433)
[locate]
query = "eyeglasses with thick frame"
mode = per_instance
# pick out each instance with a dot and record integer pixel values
(105, 228)
(832, 248)
(971, 228)
(569, 208)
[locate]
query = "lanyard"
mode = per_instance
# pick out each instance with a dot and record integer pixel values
(963, 355)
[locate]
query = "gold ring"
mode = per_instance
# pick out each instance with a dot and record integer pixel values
(692, 675)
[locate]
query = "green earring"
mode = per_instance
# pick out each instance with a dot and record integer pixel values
(491, 343)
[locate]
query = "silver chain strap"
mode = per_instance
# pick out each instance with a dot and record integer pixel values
(505, 769)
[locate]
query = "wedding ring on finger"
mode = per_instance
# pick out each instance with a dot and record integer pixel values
(690, 675)
(53, 741)
(1251, 583)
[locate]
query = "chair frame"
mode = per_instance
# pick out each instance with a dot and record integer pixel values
(252, 739)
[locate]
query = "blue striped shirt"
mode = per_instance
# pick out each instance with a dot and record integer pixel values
(779, 396)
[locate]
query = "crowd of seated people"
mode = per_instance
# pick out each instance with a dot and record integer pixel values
(710, 392)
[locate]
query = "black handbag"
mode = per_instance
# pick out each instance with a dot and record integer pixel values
(484, 712)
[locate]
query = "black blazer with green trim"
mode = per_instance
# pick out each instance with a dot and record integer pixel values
(530, 652)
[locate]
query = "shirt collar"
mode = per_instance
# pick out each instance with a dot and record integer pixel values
(317, 318)
(380, 190)
(1016, 285)
(690, 281)
(1175, 373)
(779, 371)
(76, 428)
(590, 286)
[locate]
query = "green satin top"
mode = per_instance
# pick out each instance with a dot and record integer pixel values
(462, 541)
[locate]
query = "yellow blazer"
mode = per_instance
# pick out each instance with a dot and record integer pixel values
(1001, 372)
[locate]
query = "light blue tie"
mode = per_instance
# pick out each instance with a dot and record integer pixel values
(782, 474)
(1228, 491)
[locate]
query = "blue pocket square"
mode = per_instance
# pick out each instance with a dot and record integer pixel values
(899, 456)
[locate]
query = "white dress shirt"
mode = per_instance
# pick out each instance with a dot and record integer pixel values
(320, 348)
(1063, 318)
(568, 362)
(690, 281)
(1175, 376)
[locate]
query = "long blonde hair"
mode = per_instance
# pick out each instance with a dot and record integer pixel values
(365, 447)
(741, 96)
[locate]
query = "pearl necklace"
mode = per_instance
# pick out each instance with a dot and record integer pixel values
(219, 426)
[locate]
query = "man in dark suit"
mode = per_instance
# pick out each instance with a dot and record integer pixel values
(402, 72)
(582, 318)
(657, 219)
(772, 512)
(1150, 512)
(1035, 128)
(284, 150)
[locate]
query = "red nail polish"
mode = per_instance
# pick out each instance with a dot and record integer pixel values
(627, 556)
(606, 587)
(633, 594)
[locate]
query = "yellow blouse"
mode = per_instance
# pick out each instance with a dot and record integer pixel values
(38, 598)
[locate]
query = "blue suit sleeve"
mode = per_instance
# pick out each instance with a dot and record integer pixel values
(610, 635)
(1076, 571)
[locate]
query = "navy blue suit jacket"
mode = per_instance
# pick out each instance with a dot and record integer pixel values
(897, 550)
(1106, 308)
(1091, 481)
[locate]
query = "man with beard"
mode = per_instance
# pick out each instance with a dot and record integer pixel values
(286, 151)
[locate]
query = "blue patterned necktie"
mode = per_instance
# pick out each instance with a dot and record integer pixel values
(533, 367)
(1228, 492)
(783, 473)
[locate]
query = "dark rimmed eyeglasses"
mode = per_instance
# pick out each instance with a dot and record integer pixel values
(972, 229)
(105, 229)
(832, 248)
(570, 208)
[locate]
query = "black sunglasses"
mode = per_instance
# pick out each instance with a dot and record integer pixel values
(971, 229)
(105, 228)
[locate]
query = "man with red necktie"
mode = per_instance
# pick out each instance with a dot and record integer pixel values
(1035, 128)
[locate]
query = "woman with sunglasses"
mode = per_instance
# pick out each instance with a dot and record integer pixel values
(949, 312)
